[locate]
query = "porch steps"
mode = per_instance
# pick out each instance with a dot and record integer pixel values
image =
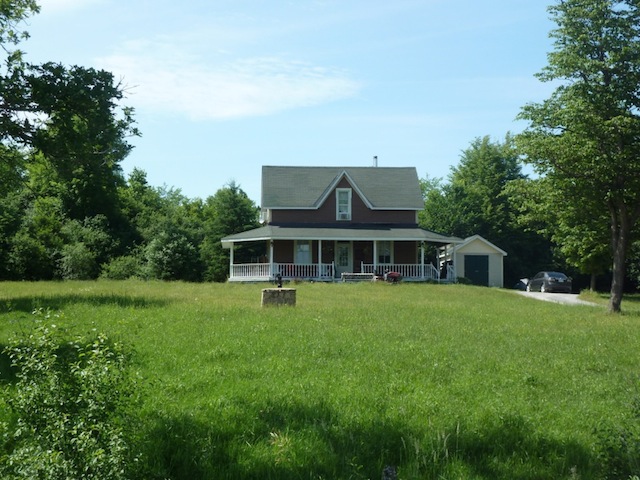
(357, 277)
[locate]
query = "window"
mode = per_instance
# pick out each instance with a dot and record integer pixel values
(384, 252)
(344, 250)
(303, 252)
(343, 204)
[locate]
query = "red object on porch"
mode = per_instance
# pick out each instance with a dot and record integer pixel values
(392, 277)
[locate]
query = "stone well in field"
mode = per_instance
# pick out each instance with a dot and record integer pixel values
(278, 296)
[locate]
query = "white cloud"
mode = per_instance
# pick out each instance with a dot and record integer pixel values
(163, 78)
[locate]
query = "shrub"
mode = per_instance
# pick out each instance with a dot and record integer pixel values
(122, 268)
(77, 262)
(87, 245)
(67, 408)
(171, 257)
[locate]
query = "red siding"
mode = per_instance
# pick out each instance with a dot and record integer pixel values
(405, 252)
(283, 251)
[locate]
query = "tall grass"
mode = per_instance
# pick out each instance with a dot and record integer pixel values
(439, 381)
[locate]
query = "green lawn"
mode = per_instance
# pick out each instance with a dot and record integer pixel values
(441, 381)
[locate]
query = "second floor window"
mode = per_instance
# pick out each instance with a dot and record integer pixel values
(343, 204)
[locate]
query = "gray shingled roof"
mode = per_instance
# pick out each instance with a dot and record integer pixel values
(391, 188)
(273, 232)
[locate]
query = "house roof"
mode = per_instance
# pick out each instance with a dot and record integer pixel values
(381, 188)
(365, 233)
(480, 238)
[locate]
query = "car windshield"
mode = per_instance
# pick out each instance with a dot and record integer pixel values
(561, 276)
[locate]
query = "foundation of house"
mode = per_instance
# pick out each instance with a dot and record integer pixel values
(278, 296)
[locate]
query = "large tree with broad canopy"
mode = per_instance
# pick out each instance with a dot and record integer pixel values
(585, 138)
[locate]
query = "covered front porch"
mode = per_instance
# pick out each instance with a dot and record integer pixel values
(331, 254)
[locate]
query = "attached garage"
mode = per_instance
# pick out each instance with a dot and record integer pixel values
(480, 261)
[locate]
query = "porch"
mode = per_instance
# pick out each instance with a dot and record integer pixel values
(326, 272)
(324, 254)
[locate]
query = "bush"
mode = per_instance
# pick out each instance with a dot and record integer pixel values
(171, 257)
(122, 268)
(67, 408)
(77, 262)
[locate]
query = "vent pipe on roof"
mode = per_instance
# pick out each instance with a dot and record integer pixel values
(375, 160)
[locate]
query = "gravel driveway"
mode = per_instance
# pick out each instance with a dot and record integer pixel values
(566, 298)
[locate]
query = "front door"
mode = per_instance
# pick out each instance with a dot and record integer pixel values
(344, 258)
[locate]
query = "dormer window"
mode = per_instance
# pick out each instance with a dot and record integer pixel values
(343, 204)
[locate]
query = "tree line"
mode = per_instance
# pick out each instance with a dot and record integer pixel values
(67, 210)
(488, 194)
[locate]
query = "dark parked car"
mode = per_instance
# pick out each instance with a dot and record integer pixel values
(549, 282)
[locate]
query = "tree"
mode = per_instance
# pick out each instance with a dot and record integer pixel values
(585, 138)
(11, 14)
(476, 201)
(229, 211)
(580, 240)
(36, 246)
(83, 136)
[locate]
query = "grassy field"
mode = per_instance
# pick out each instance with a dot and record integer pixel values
(440, 381)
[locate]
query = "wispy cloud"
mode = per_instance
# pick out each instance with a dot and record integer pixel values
(163, 78)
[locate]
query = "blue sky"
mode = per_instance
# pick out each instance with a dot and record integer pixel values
(222, 87)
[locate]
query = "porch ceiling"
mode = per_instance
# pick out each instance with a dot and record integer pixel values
(369, 233)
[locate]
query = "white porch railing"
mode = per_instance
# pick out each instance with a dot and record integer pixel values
(322, 271)
(451, 274)
(409, 271)
(264, 271)
(325, 271)
(255, 271)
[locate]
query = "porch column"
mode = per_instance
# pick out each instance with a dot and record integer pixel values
(319, 258)
(231, 260)
(375, 257)
(422, 260)
(271, 272)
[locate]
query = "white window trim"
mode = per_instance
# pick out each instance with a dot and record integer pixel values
(343, 217)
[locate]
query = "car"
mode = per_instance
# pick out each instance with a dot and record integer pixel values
(549, 282)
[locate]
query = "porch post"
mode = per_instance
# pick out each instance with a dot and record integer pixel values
(231, 260)
(271, 272)
(375, 257)
(422, 260)
(319, 258)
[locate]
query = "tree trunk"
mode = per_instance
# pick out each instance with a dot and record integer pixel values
(592, 285)
(620, 231)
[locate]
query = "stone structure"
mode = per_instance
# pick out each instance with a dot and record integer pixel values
(278, 296)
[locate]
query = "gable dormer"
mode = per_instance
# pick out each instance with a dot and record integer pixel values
(340, 195)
